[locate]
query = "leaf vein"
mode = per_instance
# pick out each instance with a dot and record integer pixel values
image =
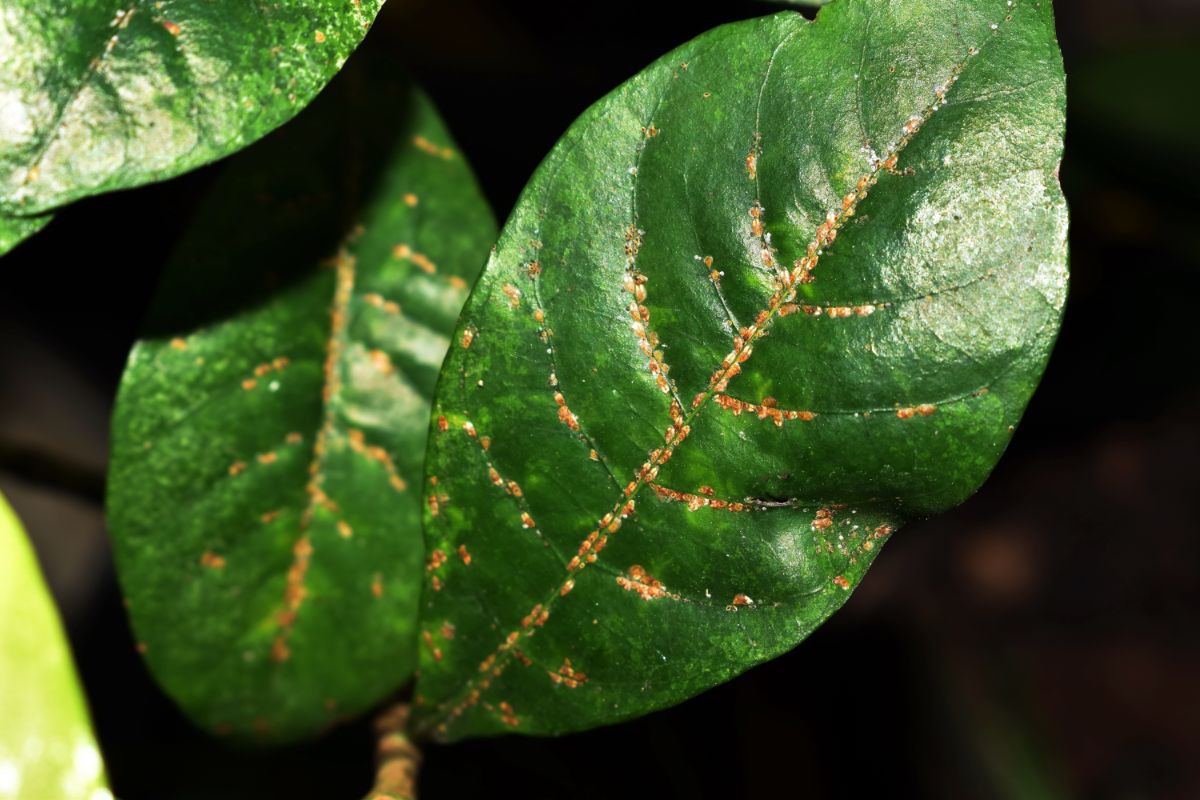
(93, 68)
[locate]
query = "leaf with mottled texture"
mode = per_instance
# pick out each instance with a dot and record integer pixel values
(787, 288)
(99, 95)
(270, 427)
(47, 748)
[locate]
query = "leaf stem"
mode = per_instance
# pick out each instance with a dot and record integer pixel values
(397, 757)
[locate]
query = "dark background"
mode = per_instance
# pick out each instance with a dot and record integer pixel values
(1039, 641)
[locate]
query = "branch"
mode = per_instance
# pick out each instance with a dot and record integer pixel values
(397, 759)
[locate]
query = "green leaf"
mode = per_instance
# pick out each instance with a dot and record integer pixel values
(14, 230)
(672, 361)
(110, 96)
(269, 431)
(47, 748)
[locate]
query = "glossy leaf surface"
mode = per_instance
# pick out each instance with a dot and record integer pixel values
(46, 744)
(102, 96)
(270, 427)
(785, 289)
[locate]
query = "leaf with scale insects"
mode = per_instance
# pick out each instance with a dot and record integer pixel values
(270, 427)
(787, 288)
(95, 100)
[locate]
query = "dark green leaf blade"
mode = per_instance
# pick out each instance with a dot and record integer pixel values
(270, 428)
(688, 417)
(47, 748)
(111, 96)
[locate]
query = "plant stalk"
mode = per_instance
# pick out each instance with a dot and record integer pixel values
(397, 757)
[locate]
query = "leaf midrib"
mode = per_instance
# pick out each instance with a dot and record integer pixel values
(343, 293)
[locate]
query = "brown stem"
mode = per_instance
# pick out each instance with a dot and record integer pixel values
(397, 759)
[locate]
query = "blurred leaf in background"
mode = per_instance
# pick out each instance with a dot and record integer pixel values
(47, 749)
